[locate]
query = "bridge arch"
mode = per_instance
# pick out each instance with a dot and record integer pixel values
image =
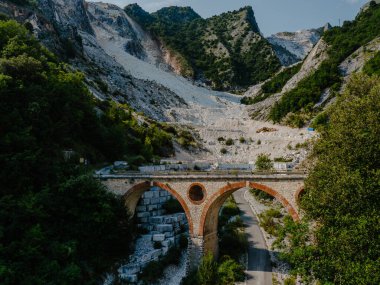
(208, 226)
(298, 195)
(132, 196)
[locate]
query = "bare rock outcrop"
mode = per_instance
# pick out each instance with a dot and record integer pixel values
(318, 54)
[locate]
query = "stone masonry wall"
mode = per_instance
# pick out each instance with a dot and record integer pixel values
(160, 231)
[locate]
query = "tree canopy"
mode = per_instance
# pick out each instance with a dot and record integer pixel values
(342, 193)
(57, 224)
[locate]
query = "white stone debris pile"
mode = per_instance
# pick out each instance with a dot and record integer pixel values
(161, 232)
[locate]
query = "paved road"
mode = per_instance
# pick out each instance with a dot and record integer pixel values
(259, 266)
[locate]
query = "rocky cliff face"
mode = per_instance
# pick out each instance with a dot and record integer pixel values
(314, 59)
(70, 26)
(293, 47)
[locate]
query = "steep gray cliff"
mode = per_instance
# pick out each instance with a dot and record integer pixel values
(292, 47)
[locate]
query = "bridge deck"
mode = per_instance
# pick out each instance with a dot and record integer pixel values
(228, 176)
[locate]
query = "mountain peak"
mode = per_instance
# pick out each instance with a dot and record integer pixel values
(243, 14)
(176, 14)
(138, 13)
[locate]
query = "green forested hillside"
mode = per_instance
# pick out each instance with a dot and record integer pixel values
(57, 224)
(341, 244)
(342, 41)
(227, 50)
(274, 85)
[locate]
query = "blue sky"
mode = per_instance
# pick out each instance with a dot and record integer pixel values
(272, 15)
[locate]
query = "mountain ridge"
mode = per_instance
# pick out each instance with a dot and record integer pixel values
(226, 51)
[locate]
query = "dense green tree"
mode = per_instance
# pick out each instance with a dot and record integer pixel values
(263, 162)
(342, 194)
(58, 225)
(373, 65)
(230, 272)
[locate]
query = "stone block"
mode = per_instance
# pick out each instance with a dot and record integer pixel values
(156, 253)
(158, 237)
(146, 237)
(164, 228)
(152, 207)
(143, 215)
(161, 212)
(167, 243)
(130, 269)
(169, 234)
(143, 220)
(130, 278)
(146, 201)
(141, 208)
(165, 250)
(161, 199)
(156, 194)
(163, 193)
(169, 220)
(148, 194)
(156, 220)
(154, 200)
(171, 239)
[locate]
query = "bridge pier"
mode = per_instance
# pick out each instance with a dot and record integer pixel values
(195, 251)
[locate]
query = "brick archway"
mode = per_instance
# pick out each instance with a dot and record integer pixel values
(298, 194)
(132, 196)
(208, 226)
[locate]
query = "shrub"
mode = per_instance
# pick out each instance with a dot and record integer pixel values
(242, 140)
(264, 162)
(230, 272)
(261, 195)
(282, 159)
(268, 224)
(273, 213)
(230, 142)
(230, 208)
(233, 241)
(208, 270)
(373, 65)
(186, 139)
(223, 151)
(302, 145)
(221, 139)
(259, 142)
(290, 281)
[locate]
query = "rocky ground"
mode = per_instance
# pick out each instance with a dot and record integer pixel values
(173, 274)
(249, 142)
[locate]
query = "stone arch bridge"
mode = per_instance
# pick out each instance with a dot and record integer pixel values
(202, 195)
